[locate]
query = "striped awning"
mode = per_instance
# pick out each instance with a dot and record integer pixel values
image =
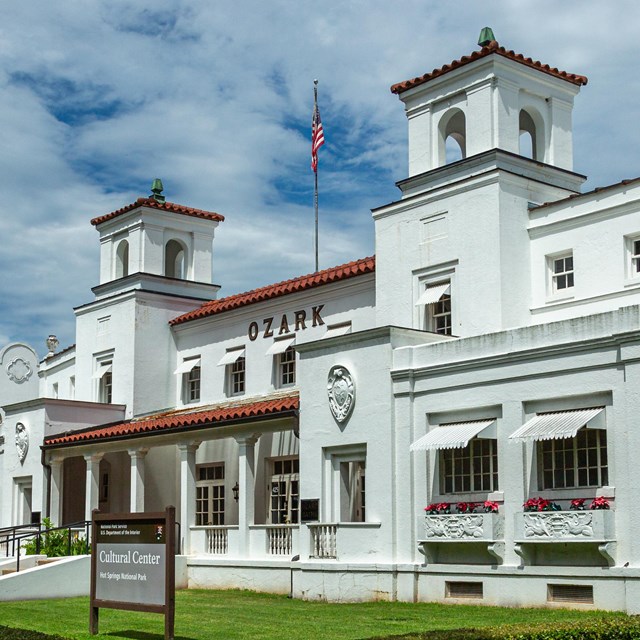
(455, 435)
(556, 425)
(432, 294)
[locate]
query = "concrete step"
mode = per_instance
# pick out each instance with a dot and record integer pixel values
(44, 561)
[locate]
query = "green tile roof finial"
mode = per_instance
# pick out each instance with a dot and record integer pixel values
(156, 191)
(486, 36)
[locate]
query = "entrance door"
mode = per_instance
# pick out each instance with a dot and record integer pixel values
(22, 501)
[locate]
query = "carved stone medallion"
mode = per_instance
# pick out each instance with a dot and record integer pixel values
(19, 370)
(342, 393)
(22, 441)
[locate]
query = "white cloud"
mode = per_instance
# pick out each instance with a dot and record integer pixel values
(98, 98)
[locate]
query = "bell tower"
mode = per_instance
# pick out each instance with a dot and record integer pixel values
(158, 240)
(155, 264)
(490, 99)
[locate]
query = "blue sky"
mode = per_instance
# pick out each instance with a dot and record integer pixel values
(98, 98)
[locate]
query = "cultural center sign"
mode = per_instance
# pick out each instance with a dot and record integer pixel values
(133, 564)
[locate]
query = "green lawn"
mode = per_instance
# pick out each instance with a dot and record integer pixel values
(235, 615)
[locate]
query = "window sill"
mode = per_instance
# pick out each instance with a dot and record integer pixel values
(559, 298)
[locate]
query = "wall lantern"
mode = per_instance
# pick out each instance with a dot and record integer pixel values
(236, 492)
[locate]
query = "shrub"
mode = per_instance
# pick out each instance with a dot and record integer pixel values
(55, 544)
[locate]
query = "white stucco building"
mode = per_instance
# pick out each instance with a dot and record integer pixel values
(490, 352)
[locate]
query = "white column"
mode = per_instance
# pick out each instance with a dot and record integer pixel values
(55, 496)
(187, 492)
(137, 479)
(92, 484)
(246, 483)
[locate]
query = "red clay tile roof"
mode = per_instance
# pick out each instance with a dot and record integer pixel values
(164, 206)
(335, 274)
(203, 417)
(491, 48)
(622, 183)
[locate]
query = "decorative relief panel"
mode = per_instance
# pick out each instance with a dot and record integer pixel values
(341, 390)
(575, 524)
(463, 526)
(22, 441)
(19, 370)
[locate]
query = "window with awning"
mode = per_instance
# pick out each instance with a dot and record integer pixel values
(455, 435)
(559, 424)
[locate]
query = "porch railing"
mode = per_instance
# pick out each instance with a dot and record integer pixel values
(217, 540)
(280, 539)
(323, 540)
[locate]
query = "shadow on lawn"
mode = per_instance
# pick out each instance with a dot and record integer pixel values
(130, 634)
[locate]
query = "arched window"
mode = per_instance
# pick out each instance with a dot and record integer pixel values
(174, 260)
(122, 259)
(453, 136)
(531, 135)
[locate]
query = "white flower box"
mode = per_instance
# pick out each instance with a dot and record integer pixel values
(463, 527)
(565, 526)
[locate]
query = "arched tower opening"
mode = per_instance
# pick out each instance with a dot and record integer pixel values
(452, 136)
(531, 139)
(122, 259)
(175, 260)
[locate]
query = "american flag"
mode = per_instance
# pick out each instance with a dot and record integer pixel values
(317, 137)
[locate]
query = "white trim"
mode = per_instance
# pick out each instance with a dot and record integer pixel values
(231, 356)
(455, 435)
(557, 425)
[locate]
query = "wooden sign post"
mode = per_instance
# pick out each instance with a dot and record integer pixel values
(133, 565)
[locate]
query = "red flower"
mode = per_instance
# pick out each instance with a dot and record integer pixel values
(600, 503)
(490, 507)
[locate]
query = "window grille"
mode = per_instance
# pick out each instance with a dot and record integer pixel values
(473, 468)
(574, 462)
(575, 593)
(210, 501)
(563, 273)
(463, 589)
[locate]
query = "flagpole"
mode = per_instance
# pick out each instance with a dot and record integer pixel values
(315, 173)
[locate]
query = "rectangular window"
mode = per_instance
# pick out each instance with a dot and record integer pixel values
(103, 377)
(635, 258)
(106, 383)
(470, 469)
(436, 299)
(353, 494)
(287, 367)
(284, 491)
(210, 494)
(441, 316)
(72, 387)
(54, 390)
(562, 273)
(574, 462)
(191, 382)
(237, 372)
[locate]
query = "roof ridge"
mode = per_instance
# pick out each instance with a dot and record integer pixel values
(268, 292)
(203, 417)
(491, 48)
(163, 206)
(573, 196)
